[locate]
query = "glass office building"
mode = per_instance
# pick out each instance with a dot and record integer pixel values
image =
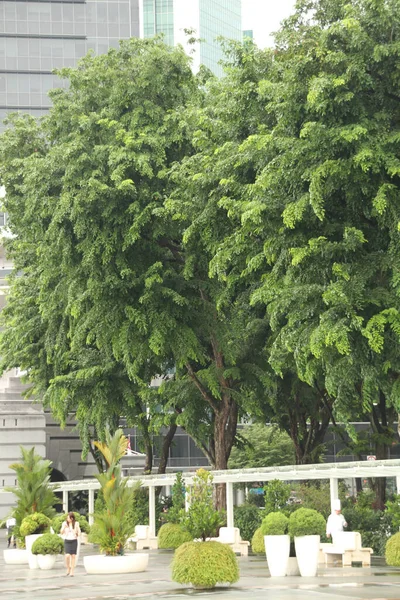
(210, 19)
(37, 36)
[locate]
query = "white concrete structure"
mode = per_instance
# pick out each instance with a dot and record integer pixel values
(331, 471)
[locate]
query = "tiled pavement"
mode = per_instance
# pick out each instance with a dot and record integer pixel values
(20, 583)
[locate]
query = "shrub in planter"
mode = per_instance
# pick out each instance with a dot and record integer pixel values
(257, 542)
(202, 520)
(204, 564)
(178, 500)
(171, 535)
(306, 521)
(59, 520)
(49, 543)
(275, 523)
(248, 518)
(34, 524)
(392, 552)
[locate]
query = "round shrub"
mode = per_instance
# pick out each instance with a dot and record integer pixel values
(171, 535)
(60, 518)
(392, 552)
(34, 523)
(275, 523)
(248, 518)
(204, 564)
(49, 543)
(306, 521)
(257, 542)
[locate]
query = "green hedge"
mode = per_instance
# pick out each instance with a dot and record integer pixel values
(248, 518)
(257, 542)
(49, 543)
(171, 535)
(60, 518)
(204, 564)
(392, 552)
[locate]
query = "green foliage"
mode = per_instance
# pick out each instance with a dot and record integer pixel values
(34, 523)
(138, 512)
(49, 543)
(59, 520)
(33, 492)
(393, 509)
(248, 518)
(262, 446)
(204, 564)
(277, 493)
(275, 523)
(316, 496)
(257, 542)
(112, 527)
(202, 520)
(306, 521)
(392, 551)
(172, 535)
(178, 500)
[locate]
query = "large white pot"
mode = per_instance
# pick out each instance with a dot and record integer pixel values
(15, 556)
(46, 561)
(32, 558)
(128, 563)
(292, 567)
(277, 549)
(307, 551)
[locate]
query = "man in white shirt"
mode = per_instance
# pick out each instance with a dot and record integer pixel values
(336, 521)
(10, 524)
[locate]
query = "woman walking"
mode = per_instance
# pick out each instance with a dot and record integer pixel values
(70, 531)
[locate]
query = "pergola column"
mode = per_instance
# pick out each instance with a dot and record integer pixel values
(229, 504)
(334, 488)
(65, 501)
(91, 506)
(152, 510)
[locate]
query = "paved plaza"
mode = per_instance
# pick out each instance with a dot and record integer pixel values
(20, 583)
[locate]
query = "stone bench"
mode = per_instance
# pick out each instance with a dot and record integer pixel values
(346, 548)
(142, 538)
(231, 537)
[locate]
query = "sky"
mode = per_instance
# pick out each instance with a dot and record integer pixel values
(263, 17)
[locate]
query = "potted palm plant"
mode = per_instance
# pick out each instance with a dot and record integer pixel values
(306, 527)
(277, 543)
(46, 548)
(112, 526)
(33, 495)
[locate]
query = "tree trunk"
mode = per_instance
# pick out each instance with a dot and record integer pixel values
(168, 438)
(225, 427)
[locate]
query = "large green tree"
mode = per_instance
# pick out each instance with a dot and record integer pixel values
(320, 222)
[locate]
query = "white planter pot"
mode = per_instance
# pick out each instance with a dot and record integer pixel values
(15, 556)
(292, 567)
(46, 561)
(277, 549)
(32, 558)
(307, 552)
(129, 563)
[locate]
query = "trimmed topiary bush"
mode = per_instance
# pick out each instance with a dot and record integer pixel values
(306, 521)
(34, 523)
(171, 535)
(257, 542)
(392, 551)
(275, 523)
(60, 518)
(204, 564)
(49, 543)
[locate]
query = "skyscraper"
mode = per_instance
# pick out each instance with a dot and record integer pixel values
(37, 36)
(210, 19)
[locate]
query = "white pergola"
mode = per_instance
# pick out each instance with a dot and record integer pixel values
(331, 471)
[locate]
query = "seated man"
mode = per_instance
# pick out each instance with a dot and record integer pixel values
(336, 521)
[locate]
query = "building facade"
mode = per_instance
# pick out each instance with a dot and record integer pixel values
(38, 36)
(208, 20)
